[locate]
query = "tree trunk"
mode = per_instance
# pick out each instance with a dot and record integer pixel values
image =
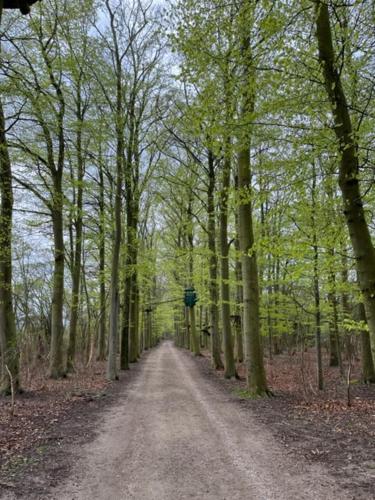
(335, 358)
(213, 285)
(57, 365)
(187, 328)
(112, 373)
(134, 320)
(57, 369)
(76, 268)
(8, 334)
(102, 292)
(124, 351)
(349, 167)
(229, 364)
(239, 296)
(193, 338)
(255, 373)
(368, 370)
(193, 332)
(318, 334)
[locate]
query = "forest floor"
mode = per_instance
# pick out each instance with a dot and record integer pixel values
(173, 428)
(317, 426)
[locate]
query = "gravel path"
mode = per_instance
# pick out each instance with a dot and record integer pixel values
(178, 436)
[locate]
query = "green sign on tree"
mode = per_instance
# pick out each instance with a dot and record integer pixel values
(190, 297)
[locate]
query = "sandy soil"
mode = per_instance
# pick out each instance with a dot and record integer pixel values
(176, 435)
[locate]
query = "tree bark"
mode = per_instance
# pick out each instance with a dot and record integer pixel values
(213, 285)
(229, 364)
(57, 365)
(102, 281)
(255, 373)
(112, 373)
(239, 294)
(77, 257)
(349, 167)
(368, 369)
(8, 334)
(318, 328)
(57, 368)
(193, 338)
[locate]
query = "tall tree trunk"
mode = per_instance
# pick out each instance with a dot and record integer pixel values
(255, 373)
(102, 291)
(318, 333)
(8, 334)
(117, 237)
(76, 268)
(112, 373)
(187, 328)
(134, 312)
(334, 340)
(213, 285)
(57, 365)
(57, 368)
(193, 338)
(126, 310)
(125, 320)
(367, 362)
(363, 247)
(132, 202)
(114, 294)
(193, 332)
(229, 364)
(239, 293)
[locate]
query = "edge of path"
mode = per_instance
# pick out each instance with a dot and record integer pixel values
(42, 467)
(299, 436)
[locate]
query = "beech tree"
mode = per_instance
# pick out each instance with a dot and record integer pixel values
(349, 181)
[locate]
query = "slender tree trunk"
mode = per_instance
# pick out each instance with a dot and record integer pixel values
(131, 200)
(149, 332)
(124, 352)
(349, 167)
(57, 365)
(255, 373)
(76, 271)
(134, 325)
(229, 364)
(8, 334)
(334, 340)
(239, 295)
(193, 331)
(57, 368)
(194, 339)
(213, 285)
(187, 328)
(114, 294)
(102, 281)
(112, 371)
(318, 334)
(335, 358)
(126, 311)
(368, 369)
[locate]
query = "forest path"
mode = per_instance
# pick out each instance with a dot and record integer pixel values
(177, 435)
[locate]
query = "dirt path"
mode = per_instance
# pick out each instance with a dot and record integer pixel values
(178, 436)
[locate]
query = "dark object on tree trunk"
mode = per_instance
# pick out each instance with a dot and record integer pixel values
(22, 5)
(206, 331)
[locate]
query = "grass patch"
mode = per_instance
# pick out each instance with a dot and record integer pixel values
(245, 394)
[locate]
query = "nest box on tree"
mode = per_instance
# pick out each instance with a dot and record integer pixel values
(22, 5)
